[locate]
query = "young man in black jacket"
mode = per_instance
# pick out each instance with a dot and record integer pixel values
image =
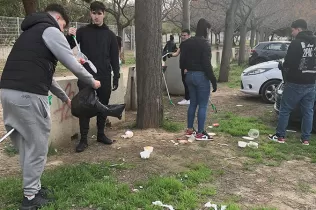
(100, 45)
(300, 75)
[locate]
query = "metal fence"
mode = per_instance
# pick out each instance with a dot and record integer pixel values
(10, 29)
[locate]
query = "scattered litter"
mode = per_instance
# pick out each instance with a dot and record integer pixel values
(172, 141)
(144, 154)
(242, 144)
(176, 144)
(222, 144)
(141, 187)
(191, 138)
(291, 131)
(252, 144)
(253, 133)
(119, 148)
(128, 134)
(210, 126)
(239, 105)
(214, 206)
(159, 203)
(248, 138)
(115, 165)
(211, 205)
(212, 134)
(135, 190)
(183, 141)
(149, 149)
(93, 136)
(215, 125)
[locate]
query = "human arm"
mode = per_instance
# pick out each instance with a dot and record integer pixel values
(293, 56)
(57, 43)
(114, 59)
(58, 91)
(175, 54)
(207, 66)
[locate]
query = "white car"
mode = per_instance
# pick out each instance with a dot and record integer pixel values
(261, 79)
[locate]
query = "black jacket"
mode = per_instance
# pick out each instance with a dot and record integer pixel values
(170, 47)
(31, 65)
(299, 63)
(100, 45)
(196, 56)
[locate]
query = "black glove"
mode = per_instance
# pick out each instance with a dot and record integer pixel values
(115, 83)
(169, 55)
(214, 88)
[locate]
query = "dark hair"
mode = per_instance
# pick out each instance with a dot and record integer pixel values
(201, 28)
(300, 23)
(59, 9)
(119, 41)
(171, 37)
(97, 6)
(186, 31)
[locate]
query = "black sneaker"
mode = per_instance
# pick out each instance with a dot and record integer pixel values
(37, 202)
(103, 139)
(81, 146)
(46, 193)
(276, 138)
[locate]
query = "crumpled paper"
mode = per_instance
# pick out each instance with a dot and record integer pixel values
(159, 203)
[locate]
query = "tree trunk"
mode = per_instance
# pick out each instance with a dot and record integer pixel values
(261, 31)
(148, 62)
(257, 37)
(228, 41)
(29, 6)
(252, 37)
(186, 14)
(242, 44)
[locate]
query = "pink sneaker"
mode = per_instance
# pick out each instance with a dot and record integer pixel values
(203, 137)
(190, 132)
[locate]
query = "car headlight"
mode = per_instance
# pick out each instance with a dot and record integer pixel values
(257, 71)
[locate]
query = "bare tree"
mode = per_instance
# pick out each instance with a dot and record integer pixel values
(228, 40)
(148, 62)
(29, 6)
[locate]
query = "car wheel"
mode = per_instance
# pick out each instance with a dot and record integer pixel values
(268, 91)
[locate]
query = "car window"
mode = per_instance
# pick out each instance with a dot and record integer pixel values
(274, 46)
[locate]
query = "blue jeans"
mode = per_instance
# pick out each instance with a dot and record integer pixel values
(199, 90)
(294, 94)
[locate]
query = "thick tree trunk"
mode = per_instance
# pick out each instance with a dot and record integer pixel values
(257, 37)
(228, 41)
(148, 63)
(252, 37)
(242, 44)
(29, 6)
(261, 31)
(186, 14)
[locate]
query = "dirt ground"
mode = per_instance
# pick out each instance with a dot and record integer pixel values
(267, 186)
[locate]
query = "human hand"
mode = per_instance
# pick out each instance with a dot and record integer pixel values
(115, 84)
(72, 31)
(97, 84)
(68, 102)
(185, 71)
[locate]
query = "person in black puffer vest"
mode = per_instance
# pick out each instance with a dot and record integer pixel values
(100, 45)
(26, 80)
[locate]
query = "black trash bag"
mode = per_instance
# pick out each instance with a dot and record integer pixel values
(86, 104)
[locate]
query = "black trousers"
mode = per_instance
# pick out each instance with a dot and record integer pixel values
(186, 89)
(104, 94)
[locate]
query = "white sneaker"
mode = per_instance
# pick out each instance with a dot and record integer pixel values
(184, 102)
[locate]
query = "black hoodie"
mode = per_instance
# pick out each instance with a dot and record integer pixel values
(100, 45)
(299, 63)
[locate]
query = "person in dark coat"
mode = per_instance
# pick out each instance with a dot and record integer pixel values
(100, 45)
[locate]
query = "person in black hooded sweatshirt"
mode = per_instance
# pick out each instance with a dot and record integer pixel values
(196, 62)
(299, 72)
(100, 45)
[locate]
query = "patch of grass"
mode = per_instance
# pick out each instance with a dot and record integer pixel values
(94, 186)
(52, 151)
(234, 74)
(239, 126)
(172, 126)
(129, 57)
(10, 150)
